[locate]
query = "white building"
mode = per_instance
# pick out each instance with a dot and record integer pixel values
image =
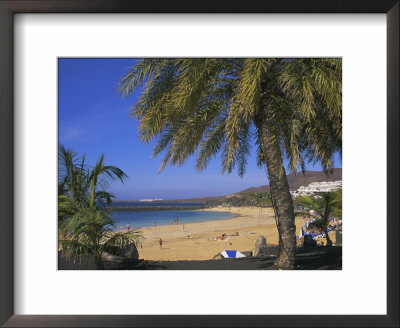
(324, 186)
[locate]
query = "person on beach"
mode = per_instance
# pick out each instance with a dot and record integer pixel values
(128, 227)
(160, 242)
(222, 237)
(155, 224)
(183, 227)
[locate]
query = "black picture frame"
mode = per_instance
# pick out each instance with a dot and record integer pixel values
(10, 7)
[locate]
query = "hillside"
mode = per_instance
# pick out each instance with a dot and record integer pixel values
(299, 179)
(295, 181)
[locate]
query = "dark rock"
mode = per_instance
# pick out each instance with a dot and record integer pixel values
(87, 262)
(109, 257)
(262, 249)
(309, 242)
(111, 262)
(130, 252)
(261, 241)
(338, 237)
(268, 250)
(319, 258)
(81, 262)
(114, 262)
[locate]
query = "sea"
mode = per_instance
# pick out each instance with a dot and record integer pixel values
(151, 214)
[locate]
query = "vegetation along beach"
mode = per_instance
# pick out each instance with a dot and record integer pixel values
(143, 143)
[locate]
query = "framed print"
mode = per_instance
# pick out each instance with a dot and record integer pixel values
(241, 74)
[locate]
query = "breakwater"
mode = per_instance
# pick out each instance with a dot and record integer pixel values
(152, 208)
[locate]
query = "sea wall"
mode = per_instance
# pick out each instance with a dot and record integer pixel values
(152, 208)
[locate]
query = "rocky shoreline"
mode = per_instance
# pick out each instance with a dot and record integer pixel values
(319, 258)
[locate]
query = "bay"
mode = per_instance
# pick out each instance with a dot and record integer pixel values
(142, 219)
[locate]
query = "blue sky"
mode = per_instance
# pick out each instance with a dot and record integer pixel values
(95, 120)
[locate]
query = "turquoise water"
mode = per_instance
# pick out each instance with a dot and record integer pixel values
(141, 219)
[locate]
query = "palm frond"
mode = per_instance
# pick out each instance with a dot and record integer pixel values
(138, 74)
(184, 99)
(211, 144)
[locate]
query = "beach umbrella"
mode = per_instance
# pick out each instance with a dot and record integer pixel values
(232, 254)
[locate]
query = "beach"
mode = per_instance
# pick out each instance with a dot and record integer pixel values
(195, 241)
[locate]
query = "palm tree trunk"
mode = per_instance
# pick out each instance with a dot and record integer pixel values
(280, 192)
(328, 240)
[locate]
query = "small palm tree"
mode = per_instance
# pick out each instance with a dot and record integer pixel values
(337, 201)
(261, 198)
(285, 107)
(325, 205)
(84, 226)
(85, 186)
(91, 232)
(66, 209)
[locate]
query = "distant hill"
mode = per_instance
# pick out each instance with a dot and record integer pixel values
(295, 181)
(244, 197)
(197, 200)
(299, 179)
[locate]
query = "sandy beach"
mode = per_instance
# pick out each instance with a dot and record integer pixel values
(194, 241)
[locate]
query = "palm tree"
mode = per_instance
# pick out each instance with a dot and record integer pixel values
(325, 205)
(288, 108)
(84, 226)
(260, 198)
(85, 186)
(91, 232)
(337, 201)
